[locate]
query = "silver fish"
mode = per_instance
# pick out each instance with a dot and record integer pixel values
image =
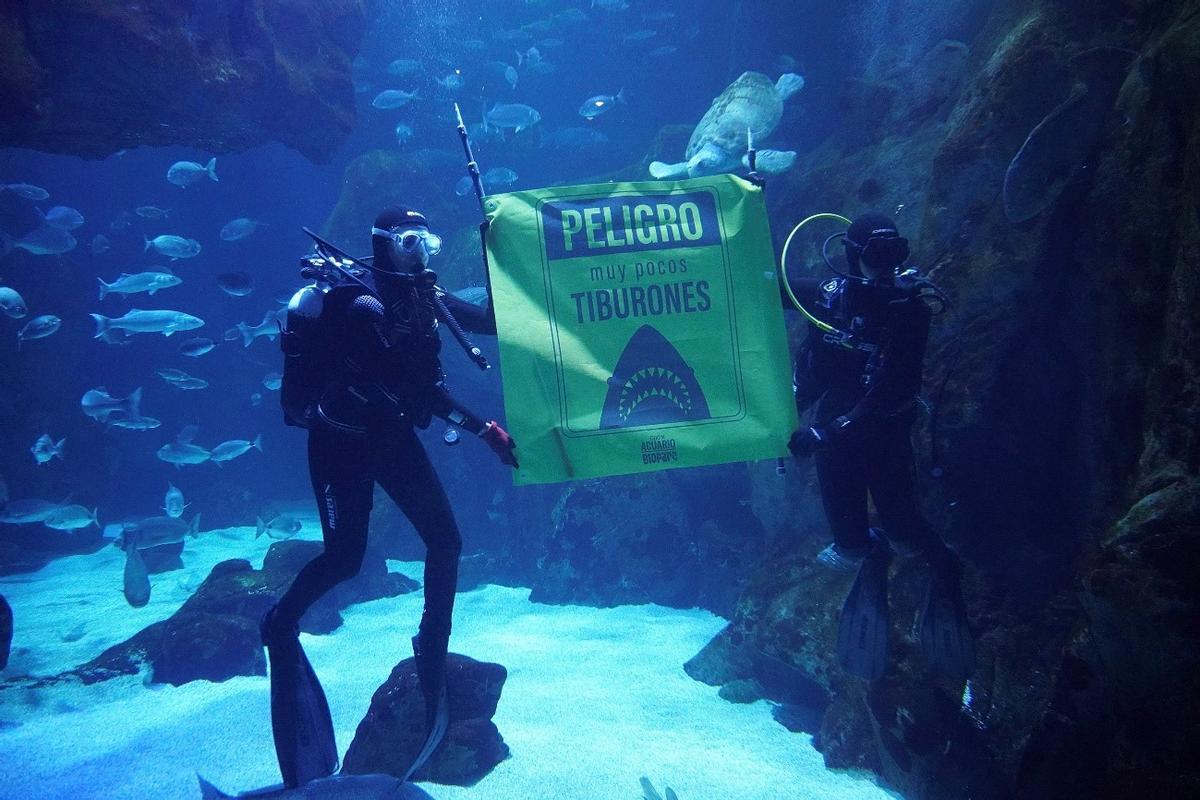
(133, 423)
(269, 327)
(100, 405)
(173, 246)
(173, 501)
(46, 448)
(28, 511)
(46, 241)
(196, 347)
(452, 82)
(38, 328)
(135, 579)
(153, 531)
(517, 116)
(239, 228)
(403, 66)
(137, 320)
(181, 453)
(185, 173)
(238, 284)
(26, 190)
(227, 451)
(71, 518)
(499, 176)
(394, 98)
(11, 303)
(151, 212)
(64, 218)
(283, 526)
(597, 104)
(150, 282)
(100, 244)
(272, 380)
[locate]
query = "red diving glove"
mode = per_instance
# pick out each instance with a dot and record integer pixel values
(501, 443)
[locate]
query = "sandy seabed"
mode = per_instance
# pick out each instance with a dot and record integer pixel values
(595, 698)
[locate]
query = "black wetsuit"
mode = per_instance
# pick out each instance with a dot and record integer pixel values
(874, 385)
(385, 379)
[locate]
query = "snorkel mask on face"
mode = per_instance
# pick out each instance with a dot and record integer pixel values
(408, 242)
(884, 249)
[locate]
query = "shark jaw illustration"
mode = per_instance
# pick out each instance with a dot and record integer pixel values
(652, 385)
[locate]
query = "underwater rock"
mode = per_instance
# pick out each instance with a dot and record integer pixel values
(1133, 674)
(215, 634)
(391, 734)
(217, 76)
(1060, 143)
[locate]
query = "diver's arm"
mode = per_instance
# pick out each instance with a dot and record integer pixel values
(445, 406)
(807, 291)
(471, 317)
(448, 408)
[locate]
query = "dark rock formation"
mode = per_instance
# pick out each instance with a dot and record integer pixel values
(6, 631)
(393, 731)
(1065, 380)
(218, 75)
(214, 635)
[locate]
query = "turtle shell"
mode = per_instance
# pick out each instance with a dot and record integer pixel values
(749, 102)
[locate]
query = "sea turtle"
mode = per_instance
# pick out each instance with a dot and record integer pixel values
(718, 143)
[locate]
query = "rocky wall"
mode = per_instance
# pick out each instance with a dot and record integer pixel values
(218, 75)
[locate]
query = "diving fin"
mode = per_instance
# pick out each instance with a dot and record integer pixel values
(862, 642)
(431, 672)
(300, 719)
(943, 628)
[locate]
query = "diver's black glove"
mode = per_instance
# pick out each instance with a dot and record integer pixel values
(806, 441)
(501, 442)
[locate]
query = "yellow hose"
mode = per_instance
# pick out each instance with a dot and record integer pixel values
(783, 268)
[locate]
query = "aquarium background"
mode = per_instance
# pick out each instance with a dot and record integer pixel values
(1060, 385)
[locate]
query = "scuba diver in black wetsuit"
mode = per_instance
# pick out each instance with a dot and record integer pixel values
(862, 370)
(361, 372)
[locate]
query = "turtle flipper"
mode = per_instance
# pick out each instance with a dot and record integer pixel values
(772, 162)
(660, 170)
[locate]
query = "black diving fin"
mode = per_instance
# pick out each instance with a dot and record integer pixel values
(862, 642)
(431, 672)
(300, 719)
(943, 627)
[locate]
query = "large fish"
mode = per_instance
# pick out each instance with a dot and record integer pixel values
(29, 511)
(137, 320)
(11, 303)
(269, 327)
(71, 518)
(153, 531)
(46, 448)
(100, 405)
(127, 283)
(44, 241)
(185, 173)
(227, 451)
(175, 247)
(136, 579)
(173, 502)
(38, 328)
(517, 116)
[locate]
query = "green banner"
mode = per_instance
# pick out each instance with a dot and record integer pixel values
(640, 327)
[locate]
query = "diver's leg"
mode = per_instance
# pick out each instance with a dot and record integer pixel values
(409, 479)
(340, 470)
(407, 476)
(842, 477)
(891, 477)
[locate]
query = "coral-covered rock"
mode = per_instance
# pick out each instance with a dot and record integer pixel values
(393, 731)
(217, 75)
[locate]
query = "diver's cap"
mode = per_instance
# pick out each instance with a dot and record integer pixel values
(394, 217)
(874, 239)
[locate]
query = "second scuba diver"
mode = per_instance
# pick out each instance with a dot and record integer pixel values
(362, 373)
(862, 371)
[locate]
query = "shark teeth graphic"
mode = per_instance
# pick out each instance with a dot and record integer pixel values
(651, 385)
